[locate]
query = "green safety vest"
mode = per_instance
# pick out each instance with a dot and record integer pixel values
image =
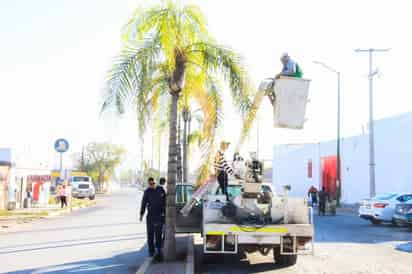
(299, 72)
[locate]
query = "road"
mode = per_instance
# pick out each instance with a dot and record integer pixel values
(109, 239)
(102, 239)
(344, 244)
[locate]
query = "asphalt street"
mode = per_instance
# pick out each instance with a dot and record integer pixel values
(106, 238)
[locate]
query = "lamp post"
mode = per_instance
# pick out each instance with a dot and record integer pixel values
(187, 117)
(338, 160)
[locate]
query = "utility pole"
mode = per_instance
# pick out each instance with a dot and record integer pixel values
(372, 185)
(257, 136)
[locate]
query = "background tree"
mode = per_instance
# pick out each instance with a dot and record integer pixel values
(168, 48)
(99, 160)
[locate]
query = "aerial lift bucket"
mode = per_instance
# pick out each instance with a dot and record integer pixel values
(289, 96)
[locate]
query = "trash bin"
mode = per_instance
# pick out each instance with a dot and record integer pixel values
(331, 207)
(11, 206)
(27, 203)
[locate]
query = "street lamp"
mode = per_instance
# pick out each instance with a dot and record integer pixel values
(187, 117)
(338, 160)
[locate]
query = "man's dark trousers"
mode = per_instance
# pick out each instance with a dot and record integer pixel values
(222, 179)
(154, 235)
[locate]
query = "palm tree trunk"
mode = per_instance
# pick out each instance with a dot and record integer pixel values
(170, 242)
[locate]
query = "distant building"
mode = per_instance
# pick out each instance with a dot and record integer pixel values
(5, 165)
(303, 165)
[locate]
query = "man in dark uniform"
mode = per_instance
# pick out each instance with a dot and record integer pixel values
(323, 198)
(154, 199)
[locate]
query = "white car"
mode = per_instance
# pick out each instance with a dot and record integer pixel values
(382, 207)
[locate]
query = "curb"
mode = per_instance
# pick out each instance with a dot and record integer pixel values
(190, 258)
(189, 262)
(145, 265)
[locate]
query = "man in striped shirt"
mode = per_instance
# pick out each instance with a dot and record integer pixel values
(223, 169)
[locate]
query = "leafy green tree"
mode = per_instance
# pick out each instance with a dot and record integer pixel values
(167, 48)
(99, 160)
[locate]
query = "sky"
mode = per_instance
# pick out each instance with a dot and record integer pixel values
(55, 54)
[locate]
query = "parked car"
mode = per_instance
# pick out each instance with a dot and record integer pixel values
(403, 214)
(381, 208)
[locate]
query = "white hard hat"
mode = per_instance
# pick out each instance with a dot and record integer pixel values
(285, 55)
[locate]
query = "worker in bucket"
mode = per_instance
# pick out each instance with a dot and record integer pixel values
(222, 168)
(290, 67)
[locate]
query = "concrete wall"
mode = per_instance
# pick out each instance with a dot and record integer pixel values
(393, 146)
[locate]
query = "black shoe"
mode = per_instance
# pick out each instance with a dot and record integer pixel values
(151, 253)
(159, 255)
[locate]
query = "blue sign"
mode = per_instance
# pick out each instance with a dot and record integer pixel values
(61, 145)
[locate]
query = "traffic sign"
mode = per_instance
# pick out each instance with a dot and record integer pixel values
(61, 145)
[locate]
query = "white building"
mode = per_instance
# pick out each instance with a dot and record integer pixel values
(292, 164)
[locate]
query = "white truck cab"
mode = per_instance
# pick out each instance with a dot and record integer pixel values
(82, 187)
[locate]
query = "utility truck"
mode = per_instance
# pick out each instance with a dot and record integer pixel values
(255, 218)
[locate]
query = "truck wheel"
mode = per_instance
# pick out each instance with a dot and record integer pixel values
(376, 222)
(91, 197)
(284, 260)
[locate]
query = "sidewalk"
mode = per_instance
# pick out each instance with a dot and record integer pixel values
(26, 215)
(183, 265)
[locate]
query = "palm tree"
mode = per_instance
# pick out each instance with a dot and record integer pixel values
(168, 48)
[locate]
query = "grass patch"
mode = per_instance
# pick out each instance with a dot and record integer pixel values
(12, 213)
(82, 202)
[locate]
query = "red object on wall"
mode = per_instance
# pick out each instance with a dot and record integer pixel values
(329, 174)
(310, 168)
(36, 190)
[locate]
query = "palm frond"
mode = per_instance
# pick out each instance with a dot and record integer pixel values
(250, 118)
(218, 60)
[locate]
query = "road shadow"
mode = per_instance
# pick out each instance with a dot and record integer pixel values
(124, 263)
(228, 263)
(65, 228)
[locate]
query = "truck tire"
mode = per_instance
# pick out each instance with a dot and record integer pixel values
(284, 260)
(92, 197)
(376, 222)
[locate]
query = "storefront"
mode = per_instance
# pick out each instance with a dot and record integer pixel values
(38, 187)
(5, 165)
(4, 175)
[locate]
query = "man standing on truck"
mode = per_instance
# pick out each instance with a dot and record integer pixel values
(154, 199)
(222, 168)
